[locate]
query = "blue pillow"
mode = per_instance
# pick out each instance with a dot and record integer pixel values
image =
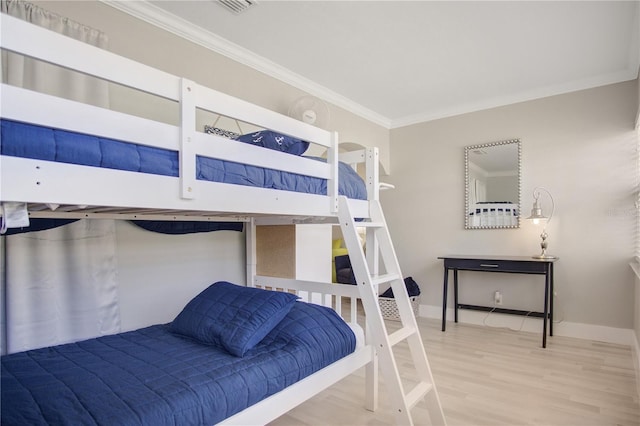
(276, 141)
(232, 317)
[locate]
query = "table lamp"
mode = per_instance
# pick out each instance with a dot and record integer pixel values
(537, 215)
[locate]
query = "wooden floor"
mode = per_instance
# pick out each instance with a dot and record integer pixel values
(491, 376)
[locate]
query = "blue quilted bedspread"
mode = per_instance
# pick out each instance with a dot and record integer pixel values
(153, 377)
(43, 143)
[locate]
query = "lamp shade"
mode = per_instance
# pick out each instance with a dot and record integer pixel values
(536, 211)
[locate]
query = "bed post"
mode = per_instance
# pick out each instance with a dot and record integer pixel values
(372, 162)
(372, 255)
(373, 194)
(187, 138)
(250, 242)
(332, 183)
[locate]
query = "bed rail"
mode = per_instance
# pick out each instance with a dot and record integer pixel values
(43, 183)
(311, 291)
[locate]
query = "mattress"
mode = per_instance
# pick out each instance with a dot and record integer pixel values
(43, 143)
(154, 377)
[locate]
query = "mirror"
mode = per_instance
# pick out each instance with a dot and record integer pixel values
(492, 185)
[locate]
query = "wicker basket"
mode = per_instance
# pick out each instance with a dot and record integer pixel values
(390, 309)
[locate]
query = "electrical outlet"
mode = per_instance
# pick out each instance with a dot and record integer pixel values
(497, 297)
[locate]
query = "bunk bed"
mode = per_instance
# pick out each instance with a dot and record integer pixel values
(90, 179)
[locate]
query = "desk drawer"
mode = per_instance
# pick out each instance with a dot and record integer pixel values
(522, 267)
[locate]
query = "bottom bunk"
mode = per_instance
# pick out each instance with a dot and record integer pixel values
(229, 348)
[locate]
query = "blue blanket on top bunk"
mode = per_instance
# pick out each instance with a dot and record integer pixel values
(155, 377)
(43, 143)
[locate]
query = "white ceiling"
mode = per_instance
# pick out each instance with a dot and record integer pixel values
(402, 62)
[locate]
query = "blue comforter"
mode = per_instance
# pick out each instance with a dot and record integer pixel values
(43, 143)
(153, 377)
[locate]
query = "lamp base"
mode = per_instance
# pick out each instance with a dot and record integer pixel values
(543, 245)
(544, 256)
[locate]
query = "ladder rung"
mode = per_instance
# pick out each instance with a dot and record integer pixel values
(370, 224)
(416, 394)
(400, 335)
(385, 278)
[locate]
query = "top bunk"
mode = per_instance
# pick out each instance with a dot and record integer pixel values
(64, 158)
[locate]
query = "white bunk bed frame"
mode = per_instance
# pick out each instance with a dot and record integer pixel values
(69, 191)
(58, 183)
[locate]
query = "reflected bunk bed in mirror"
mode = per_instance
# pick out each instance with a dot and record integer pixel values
(492, 185)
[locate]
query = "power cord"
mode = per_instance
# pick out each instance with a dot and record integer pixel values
(486, 317)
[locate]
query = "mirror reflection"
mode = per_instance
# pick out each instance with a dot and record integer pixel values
(492, 179)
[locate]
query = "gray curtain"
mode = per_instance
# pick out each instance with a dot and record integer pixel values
(32, 74)
(59, 285)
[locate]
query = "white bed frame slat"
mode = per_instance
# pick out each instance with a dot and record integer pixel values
(60, 183)
(38, 108)
(141, 215)
(214, 146)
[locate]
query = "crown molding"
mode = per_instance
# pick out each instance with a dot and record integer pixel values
(500, 101)
(160, 18)
(147, 12)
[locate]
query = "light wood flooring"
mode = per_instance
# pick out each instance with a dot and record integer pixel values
(492, 376)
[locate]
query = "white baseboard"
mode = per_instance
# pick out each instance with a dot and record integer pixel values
(621, 336)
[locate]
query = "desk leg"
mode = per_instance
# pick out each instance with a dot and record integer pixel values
(545, 318)
(551, 299)
(445, 285)
(455, 295)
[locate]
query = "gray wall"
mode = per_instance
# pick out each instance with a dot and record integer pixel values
(582, 148)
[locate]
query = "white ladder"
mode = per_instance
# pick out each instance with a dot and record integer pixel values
(402, 402)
